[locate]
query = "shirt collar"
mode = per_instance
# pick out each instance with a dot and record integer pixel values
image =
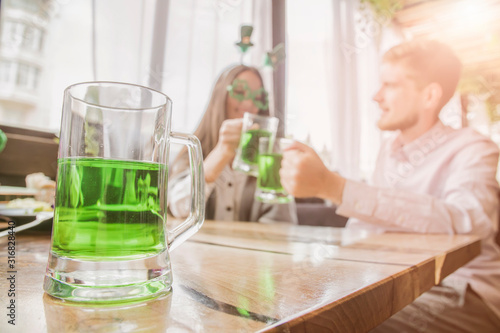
(421, 146)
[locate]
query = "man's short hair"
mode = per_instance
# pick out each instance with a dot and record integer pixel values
(431, 61)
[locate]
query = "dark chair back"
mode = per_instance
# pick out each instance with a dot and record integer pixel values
(27, 151)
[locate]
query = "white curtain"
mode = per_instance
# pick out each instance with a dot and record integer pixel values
(355, 78)
(345, 113)
(200, 43)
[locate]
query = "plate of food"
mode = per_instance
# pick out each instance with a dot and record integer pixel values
(23, 211)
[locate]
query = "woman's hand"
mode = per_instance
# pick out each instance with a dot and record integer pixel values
(229, 138)
(225, 149)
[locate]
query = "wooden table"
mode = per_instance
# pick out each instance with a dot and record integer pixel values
(246, 277)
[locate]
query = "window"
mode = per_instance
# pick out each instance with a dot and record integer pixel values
(8, 73)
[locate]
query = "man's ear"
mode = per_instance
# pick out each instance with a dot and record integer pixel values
(432, 95)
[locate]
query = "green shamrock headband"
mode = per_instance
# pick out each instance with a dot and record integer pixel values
(271, 59)
(240, 91)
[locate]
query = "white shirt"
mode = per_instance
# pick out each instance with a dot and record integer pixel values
(228, 187)
(442, 182)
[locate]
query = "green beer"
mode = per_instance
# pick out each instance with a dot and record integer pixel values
(250, 144)
(269, 172)
(108, 209)
(269, 188)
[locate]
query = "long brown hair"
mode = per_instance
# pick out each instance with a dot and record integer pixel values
(215, 113)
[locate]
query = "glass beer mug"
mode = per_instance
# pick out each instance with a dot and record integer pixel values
(254, 127)
(269, 188)
(109, 237)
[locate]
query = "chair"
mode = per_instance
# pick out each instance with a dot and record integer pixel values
(315, 212)
(27, 151)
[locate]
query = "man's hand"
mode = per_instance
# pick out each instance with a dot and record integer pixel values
(303, 174)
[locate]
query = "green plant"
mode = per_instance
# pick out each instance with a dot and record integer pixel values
(384, 8)
(485, 86)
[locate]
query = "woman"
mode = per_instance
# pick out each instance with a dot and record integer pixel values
(229, 194)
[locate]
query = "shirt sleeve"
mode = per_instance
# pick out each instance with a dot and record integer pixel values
(469, 201)
(179, 194)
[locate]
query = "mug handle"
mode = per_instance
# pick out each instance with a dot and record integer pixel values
(197, 214)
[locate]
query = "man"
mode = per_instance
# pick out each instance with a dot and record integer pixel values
(429, 178)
